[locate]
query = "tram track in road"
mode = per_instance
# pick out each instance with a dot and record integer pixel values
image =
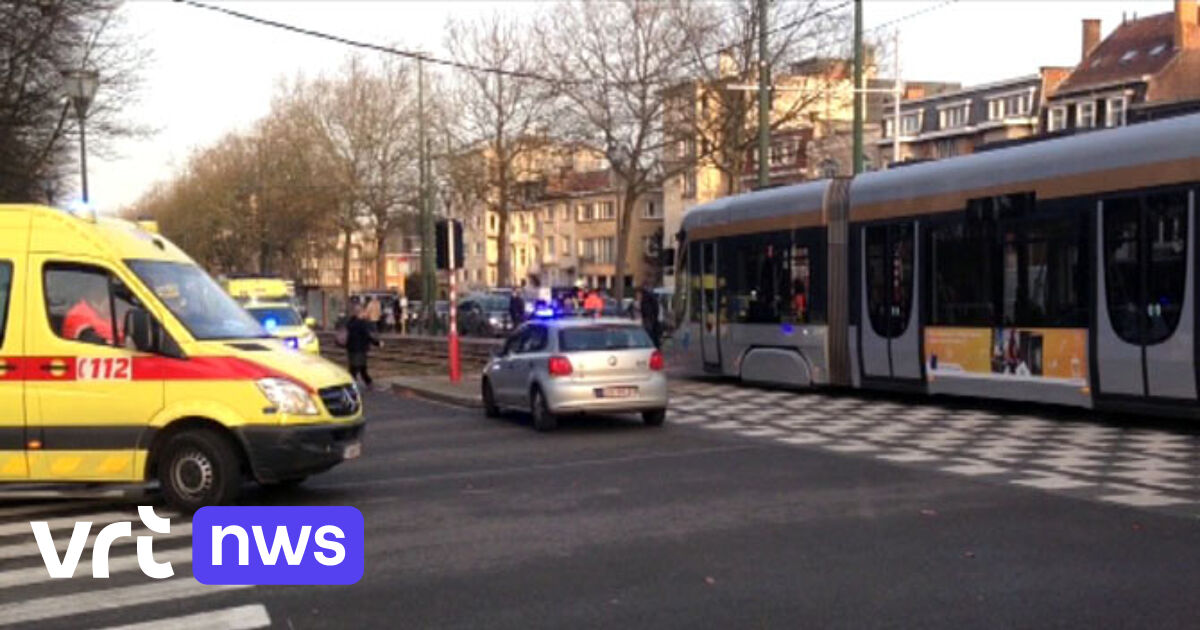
(1102, 459)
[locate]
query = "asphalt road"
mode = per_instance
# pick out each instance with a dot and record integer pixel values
(606, 523)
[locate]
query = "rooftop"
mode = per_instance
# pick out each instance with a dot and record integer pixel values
(1136, 48)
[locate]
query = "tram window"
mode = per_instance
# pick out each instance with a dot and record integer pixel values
(877, 279)
(695, 278)
(961, 291)
(801, 284)
(757, 277)
(901, 269)
(1122, 276)
(1166, 247)
(1042, 279)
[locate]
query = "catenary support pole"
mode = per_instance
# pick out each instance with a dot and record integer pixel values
(858, 86)
(764, 99)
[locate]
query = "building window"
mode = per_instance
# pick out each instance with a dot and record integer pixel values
(606, 211)
(492, 222)
(1115, 115)
(888, 123)
(550, 247)
(910, 124)
(1057, 119)
(1129, 56)
(1085, 115)
(651, 210)
(1011, 106)
(563, 212)
(996, 109)
(587, 211)
(953, 117)
(946, 148)
(1157, 50)
(606, 249)
(566, 246)
(689, 184)
(479, 248)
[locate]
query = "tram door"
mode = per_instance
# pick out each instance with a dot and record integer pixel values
(1145, 343)
(710, 304)
(890, 332)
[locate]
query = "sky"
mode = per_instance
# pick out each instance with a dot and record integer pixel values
(211, 74)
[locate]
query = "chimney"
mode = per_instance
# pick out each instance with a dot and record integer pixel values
(1091, 37)
(1187, 24)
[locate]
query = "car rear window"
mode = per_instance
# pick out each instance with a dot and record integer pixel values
(603, 338)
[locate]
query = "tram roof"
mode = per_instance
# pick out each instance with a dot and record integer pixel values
(1155, 153)
(793, 201)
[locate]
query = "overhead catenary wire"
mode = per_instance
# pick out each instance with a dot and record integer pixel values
(520, 74)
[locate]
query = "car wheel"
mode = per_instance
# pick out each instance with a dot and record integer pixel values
(654, 418)
(543, 420)
(199, 468)
(490, 409)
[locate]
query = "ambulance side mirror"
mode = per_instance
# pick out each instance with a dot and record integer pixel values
(311, 322)
(142, 330)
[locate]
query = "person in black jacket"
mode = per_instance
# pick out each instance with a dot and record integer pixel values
(648, 305)
(359, 340)
(516, 309)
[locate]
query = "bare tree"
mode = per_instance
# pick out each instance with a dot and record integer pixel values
(611, 60)
(716, 106)
(498, 113)
(363, 124)
(38, 40)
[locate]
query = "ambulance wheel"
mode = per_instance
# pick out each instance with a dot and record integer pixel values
(198, 468)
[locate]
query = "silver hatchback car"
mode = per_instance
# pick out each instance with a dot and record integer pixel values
(556, 367)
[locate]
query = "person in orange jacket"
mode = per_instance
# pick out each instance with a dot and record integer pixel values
(593, 302)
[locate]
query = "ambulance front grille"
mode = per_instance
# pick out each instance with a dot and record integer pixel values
(341, 400)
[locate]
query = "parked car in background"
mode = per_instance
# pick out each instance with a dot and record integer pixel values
(483, 315)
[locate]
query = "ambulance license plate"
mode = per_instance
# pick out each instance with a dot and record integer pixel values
(616, 392)
(352, 451)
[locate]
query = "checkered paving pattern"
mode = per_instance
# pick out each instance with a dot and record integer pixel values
(1139, 467)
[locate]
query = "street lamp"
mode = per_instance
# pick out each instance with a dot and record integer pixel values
(80, 86)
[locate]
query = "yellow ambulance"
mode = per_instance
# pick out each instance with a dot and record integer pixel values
(121, 360)
(269, 300)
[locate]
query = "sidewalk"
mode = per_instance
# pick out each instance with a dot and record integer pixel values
(465, 393)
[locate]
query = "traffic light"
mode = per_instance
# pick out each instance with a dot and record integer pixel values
(449, 237)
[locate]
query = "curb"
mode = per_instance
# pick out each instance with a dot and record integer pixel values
(427, 394)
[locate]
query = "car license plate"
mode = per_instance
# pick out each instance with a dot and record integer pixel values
(352, 451)
(616, 392)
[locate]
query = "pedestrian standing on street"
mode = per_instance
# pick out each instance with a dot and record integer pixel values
(516, 309)
(593, 304)
(649, 308)
(359, 339)
(374, 313)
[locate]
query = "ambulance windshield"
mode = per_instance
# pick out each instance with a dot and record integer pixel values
(197, 300)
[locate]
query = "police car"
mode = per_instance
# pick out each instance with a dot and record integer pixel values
(554, 366)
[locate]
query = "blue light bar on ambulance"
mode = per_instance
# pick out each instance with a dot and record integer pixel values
(270, 323)
(544, 313)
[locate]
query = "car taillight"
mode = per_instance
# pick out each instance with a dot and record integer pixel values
(656, 361)
(560, 366)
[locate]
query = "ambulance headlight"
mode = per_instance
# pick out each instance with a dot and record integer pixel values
(287, 396)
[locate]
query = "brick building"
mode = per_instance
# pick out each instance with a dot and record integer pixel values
(1146, 68)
